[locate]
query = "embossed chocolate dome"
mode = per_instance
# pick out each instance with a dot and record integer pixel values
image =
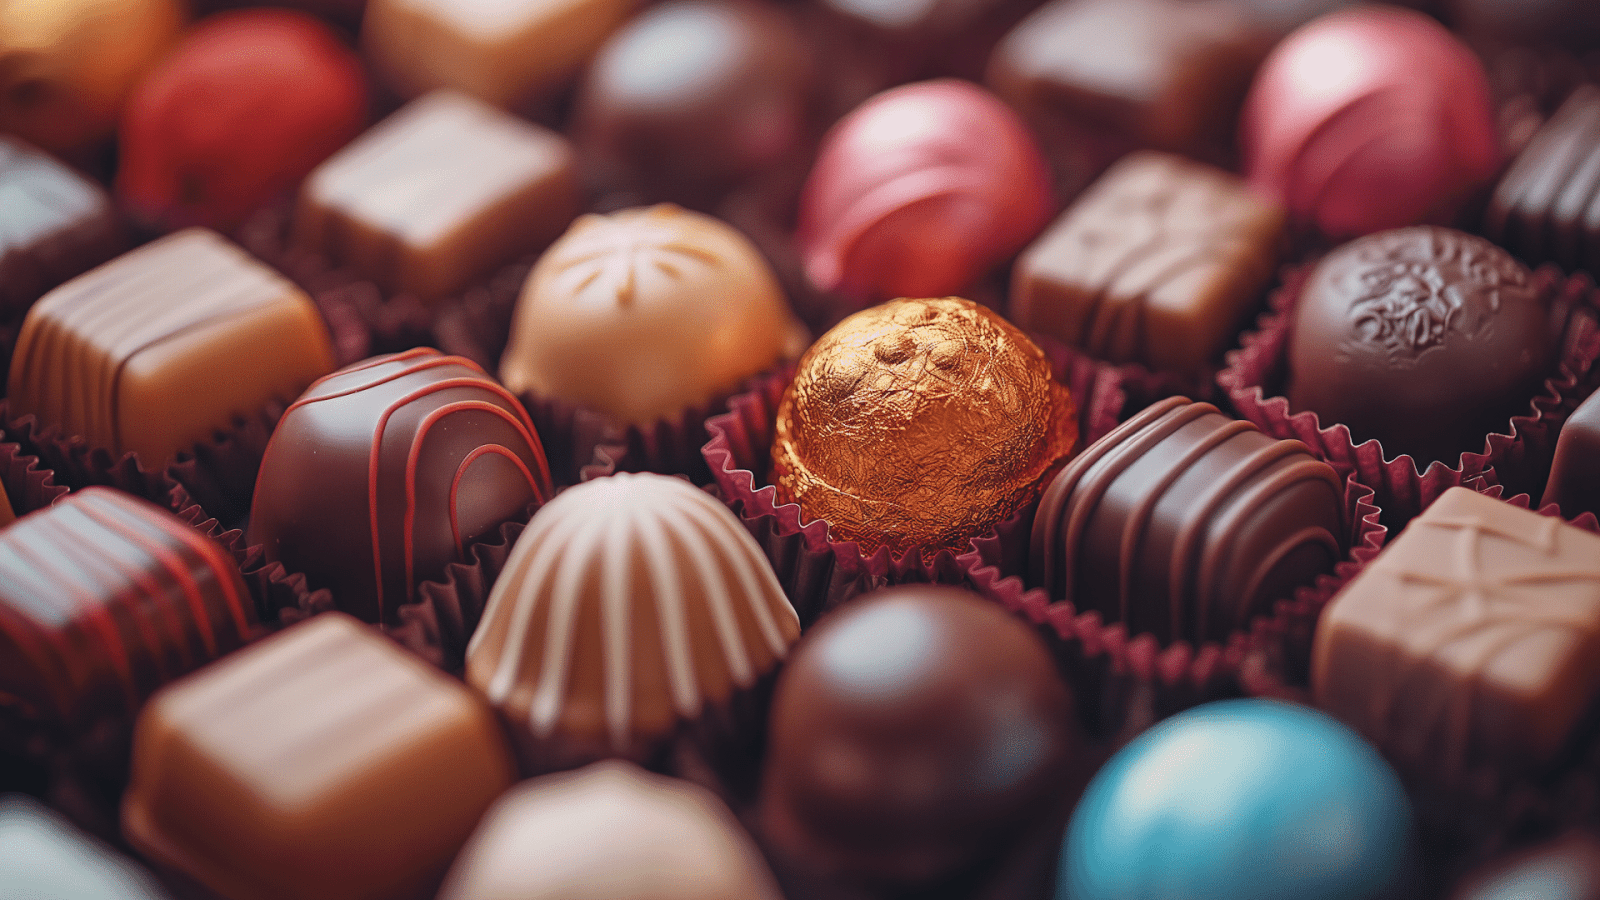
(629, 605)
(919, 423)
(643, 312)
(1424, 338)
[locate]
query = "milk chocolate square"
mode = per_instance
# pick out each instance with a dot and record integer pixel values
(1474, 637)
(500, 51)
(159, 348)
(1159, 262)
(439, 194)
(323, 763)
(104, 598)
(54, 224)
(1168, 74)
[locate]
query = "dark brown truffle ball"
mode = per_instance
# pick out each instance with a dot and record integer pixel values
(1425, 339)
(914, 733)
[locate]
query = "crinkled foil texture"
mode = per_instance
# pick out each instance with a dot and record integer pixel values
(920, 423)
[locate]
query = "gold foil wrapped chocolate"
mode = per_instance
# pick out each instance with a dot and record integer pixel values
(920, 424)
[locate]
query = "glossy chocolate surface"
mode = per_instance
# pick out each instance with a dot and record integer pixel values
(439, 194)
(1473, 637)
(1425, 339)
(1168, 74)
(1575, 473)
(628, 606)
(44, 857)
(1241, 799)
(1567, 868)
(644, 312)
(1186, 524)
(1370, 118)
(919, 425)
(54, 224)
(1545, 208)
(502, 53)
(694, 97)
(389, 469)
(1159, 263)
(104, 598)
(322, 763)
(914, 733)
(903, 202)
(127, 355)
(610, 831)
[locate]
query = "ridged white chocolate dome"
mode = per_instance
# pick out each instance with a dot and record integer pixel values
(630, 604)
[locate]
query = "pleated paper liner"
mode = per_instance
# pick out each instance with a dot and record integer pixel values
(1517, 455)
(1467, 816)
(818, 574)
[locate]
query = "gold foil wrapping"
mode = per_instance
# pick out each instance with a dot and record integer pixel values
(920, 424)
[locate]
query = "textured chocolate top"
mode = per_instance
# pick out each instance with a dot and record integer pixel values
(439, 194)
(104, 598)
(54, 224)
(1425, 339)
(322, 763)
(629, 605)
(644, 312)
(44, 857)
(1186, 524)
(1547, 205)
(919, 424)
(1474, 636)
(610, 831)
(387, 470)
(693, 97)
(159, 348)
(904, 202)
(914, 733)
(1370, 118)
(1157, 263)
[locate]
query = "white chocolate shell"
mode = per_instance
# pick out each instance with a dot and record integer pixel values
(629, 605)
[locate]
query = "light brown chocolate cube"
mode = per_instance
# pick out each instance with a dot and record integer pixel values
(439, 194)
(323, 763)
(158, 348)
(1474, 637)
(501, 51)
(1159, 263)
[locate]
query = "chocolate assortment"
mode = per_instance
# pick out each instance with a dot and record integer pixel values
(873, 446)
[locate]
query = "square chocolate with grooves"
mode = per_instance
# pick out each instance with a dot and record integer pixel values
(1159, 262)
(54, 224)
(440, 194)
(322, 763)
(1473, 638)
(163, 346)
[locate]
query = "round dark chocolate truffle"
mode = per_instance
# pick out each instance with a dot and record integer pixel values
(386, 471)
(1425, 339)
(1240, 800)
(914, 733)
(695, 96)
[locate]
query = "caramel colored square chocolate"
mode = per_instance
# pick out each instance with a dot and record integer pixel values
(323, 762)
(1474, 637)
(501, 51)
(1168, 74)
(159, 348)
(1159, 263)
(54, 224)
(439, 194)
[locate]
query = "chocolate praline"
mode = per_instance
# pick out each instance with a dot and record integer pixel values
(1425, 339)
(914, 733)
(384, 472)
